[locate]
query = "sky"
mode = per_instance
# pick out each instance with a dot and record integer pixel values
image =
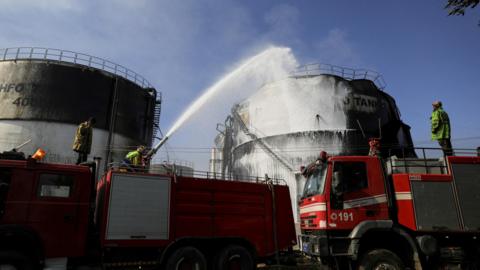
(183, 47)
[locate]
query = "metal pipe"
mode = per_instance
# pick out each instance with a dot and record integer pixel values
(111, 128)
(271, 186)
(97, 161)
(361, 129)
(21, 145)
(379, 129)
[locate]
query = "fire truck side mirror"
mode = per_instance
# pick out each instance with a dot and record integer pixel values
(337, 187)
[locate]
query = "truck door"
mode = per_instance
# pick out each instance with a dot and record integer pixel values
(54, 212)
(357, 194)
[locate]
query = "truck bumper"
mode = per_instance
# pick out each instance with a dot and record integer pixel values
(315, 245)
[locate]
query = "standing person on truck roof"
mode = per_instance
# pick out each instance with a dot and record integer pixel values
(83, 139)
(82, 143)
(440, 124)
(374, 144)
(134, 158)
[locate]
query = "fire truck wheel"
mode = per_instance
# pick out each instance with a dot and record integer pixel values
(380, 259)
(186, 258)
(234, 257)
(12, 260)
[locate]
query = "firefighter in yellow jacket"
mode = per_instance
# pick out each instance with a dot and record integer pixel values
(440, 124)
(83, 139)
(134, 159)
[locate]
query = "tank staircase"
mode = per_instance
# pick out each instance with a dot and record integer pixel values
(258, 140)
(156, 116)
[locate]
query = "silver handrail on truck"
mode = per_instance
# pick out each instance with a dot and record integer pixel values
(426, 162)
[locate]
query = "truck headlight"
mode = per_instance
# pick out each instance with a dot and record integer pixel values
(316, 248)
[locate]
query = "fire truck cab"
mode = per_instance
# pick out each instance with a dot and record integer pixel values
(44, 211)
(365, 212)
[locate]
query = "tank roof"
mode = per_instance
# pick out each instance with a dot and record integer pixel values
(316, 69)
(81, 59)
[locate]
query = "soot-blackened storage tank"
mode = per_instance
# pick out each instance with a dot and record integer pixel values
(286, 124)
(46, 93)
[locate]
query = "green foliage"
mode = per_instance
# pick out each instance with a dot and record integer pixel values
(458, 7)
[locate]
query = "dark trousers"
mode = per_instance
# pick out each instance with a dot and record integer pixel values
(82, 157)
(127, 164)
(446, 147)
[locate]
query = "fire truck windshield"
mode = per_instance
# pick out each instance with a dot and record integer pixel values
(315, 181)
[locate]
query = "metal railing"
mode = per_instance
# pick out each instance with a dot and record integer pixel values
(49, 54)
(172, 170)
(430, 160)
(316, 69)
(177, 162)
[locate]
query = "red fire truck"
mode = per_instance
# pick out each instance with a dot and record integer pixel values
(362, 212)
(127, 219)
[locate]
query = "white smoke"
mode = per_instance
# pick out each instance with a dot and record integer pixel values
(297, 105)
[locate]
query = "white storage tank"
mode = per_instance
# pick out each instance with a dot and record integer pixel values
(46, 93)
(286, 124)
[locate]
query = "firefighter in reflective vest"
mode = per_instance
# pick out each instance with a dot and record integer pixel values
(83, 139)
(135, 158)
(374, 144)
(441, 128)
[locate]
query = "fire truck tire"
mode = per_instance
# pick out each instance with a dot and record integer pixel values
(380, 259)
(186, 258)
(14, 260)
(234, 257)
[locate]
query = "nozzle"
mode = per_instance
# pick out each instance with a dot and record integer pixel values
(154, 149)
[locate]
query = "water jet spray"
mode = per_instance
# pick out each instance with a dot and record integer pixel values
(246, 69)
